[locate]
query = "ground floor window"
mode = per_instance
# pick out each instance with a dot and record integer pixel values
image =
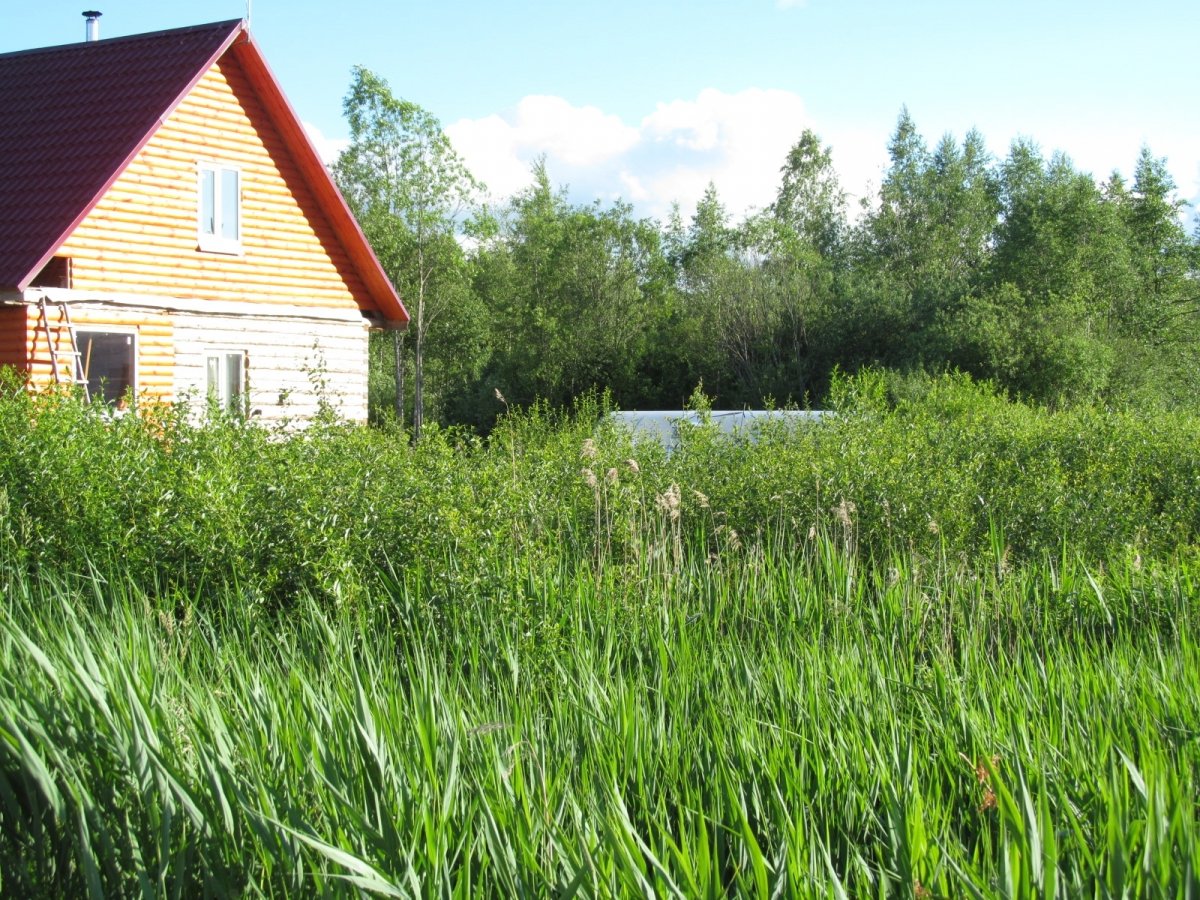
(109, 362)
(225, 381)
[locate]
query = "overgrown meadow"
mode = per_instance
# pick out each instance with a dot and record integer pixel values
(942, 644)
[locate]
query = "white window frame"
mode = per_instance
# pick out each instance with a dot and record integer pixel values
(222, 394)
(83, 331)
(215, 242)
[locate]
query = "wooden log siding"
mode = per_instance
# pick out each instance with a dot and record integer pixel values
(141, 238)
(14, 350)
(284, 358)
(154, 371)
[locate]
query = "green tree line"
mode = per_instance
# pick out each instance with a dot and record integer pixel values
(1023, 270)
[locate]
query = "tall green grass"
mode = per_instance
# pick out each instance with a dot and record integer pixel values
(791, 726)
(942, 647)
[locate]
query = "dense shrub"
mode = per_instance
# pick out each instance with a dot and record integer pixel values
(944, 471)
(947, 470)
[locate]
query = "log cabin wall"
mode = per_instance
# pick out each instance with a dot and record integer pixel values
(291, 364)
(141, 238)
(14, 344)
(154, 366)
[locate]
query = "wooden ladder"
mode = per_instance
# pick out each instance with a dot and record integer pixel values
(74, 358)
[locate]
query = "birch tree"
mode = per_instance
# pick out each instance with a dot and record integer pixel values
(410, 191)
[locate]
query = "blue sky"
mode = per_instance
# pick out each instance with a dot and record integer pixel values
(651, 100)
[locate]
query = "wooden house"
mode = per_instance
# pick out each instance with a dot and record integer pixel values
(167, 228)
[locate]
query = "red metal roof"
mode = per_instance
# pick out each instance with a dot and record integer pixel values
(73, 117)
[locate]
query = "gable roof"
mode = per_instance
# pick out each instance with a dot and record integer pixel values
(73, 117)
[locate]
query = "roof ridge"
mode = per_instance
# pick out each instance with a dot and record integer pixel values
(224, 24)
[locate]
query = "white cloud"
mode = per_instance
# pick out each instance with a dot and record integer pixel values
(327, 148)
(499, 149)
(736, 140)
(491, 152)
(578, 135)
(790, 4)
(634, 190)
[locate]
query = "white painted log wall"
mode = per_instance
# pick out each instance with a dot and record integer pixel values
(285, 359)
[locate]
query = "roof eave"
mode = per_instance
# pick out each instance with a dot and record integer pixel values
(312, 167)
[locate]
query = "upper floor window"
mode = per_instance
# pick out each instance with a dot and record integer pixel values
(220, 220)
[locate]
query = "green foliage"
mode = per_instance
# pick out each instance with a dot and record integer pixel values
(942, 642)
(929, 237)
(810, 201)
(572, 292)
(933, 466)
(409, 190)
(1022, 271)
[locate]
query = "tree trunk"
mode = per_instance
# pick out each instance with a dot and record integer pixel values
(418, 386)
(419, 355)
(398, 346)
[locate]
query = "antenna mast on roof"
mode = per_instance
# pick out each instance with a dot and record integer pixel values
(249, 11)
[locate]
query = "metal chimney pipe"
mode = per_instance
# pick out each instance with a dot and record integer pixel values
(93, 25)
